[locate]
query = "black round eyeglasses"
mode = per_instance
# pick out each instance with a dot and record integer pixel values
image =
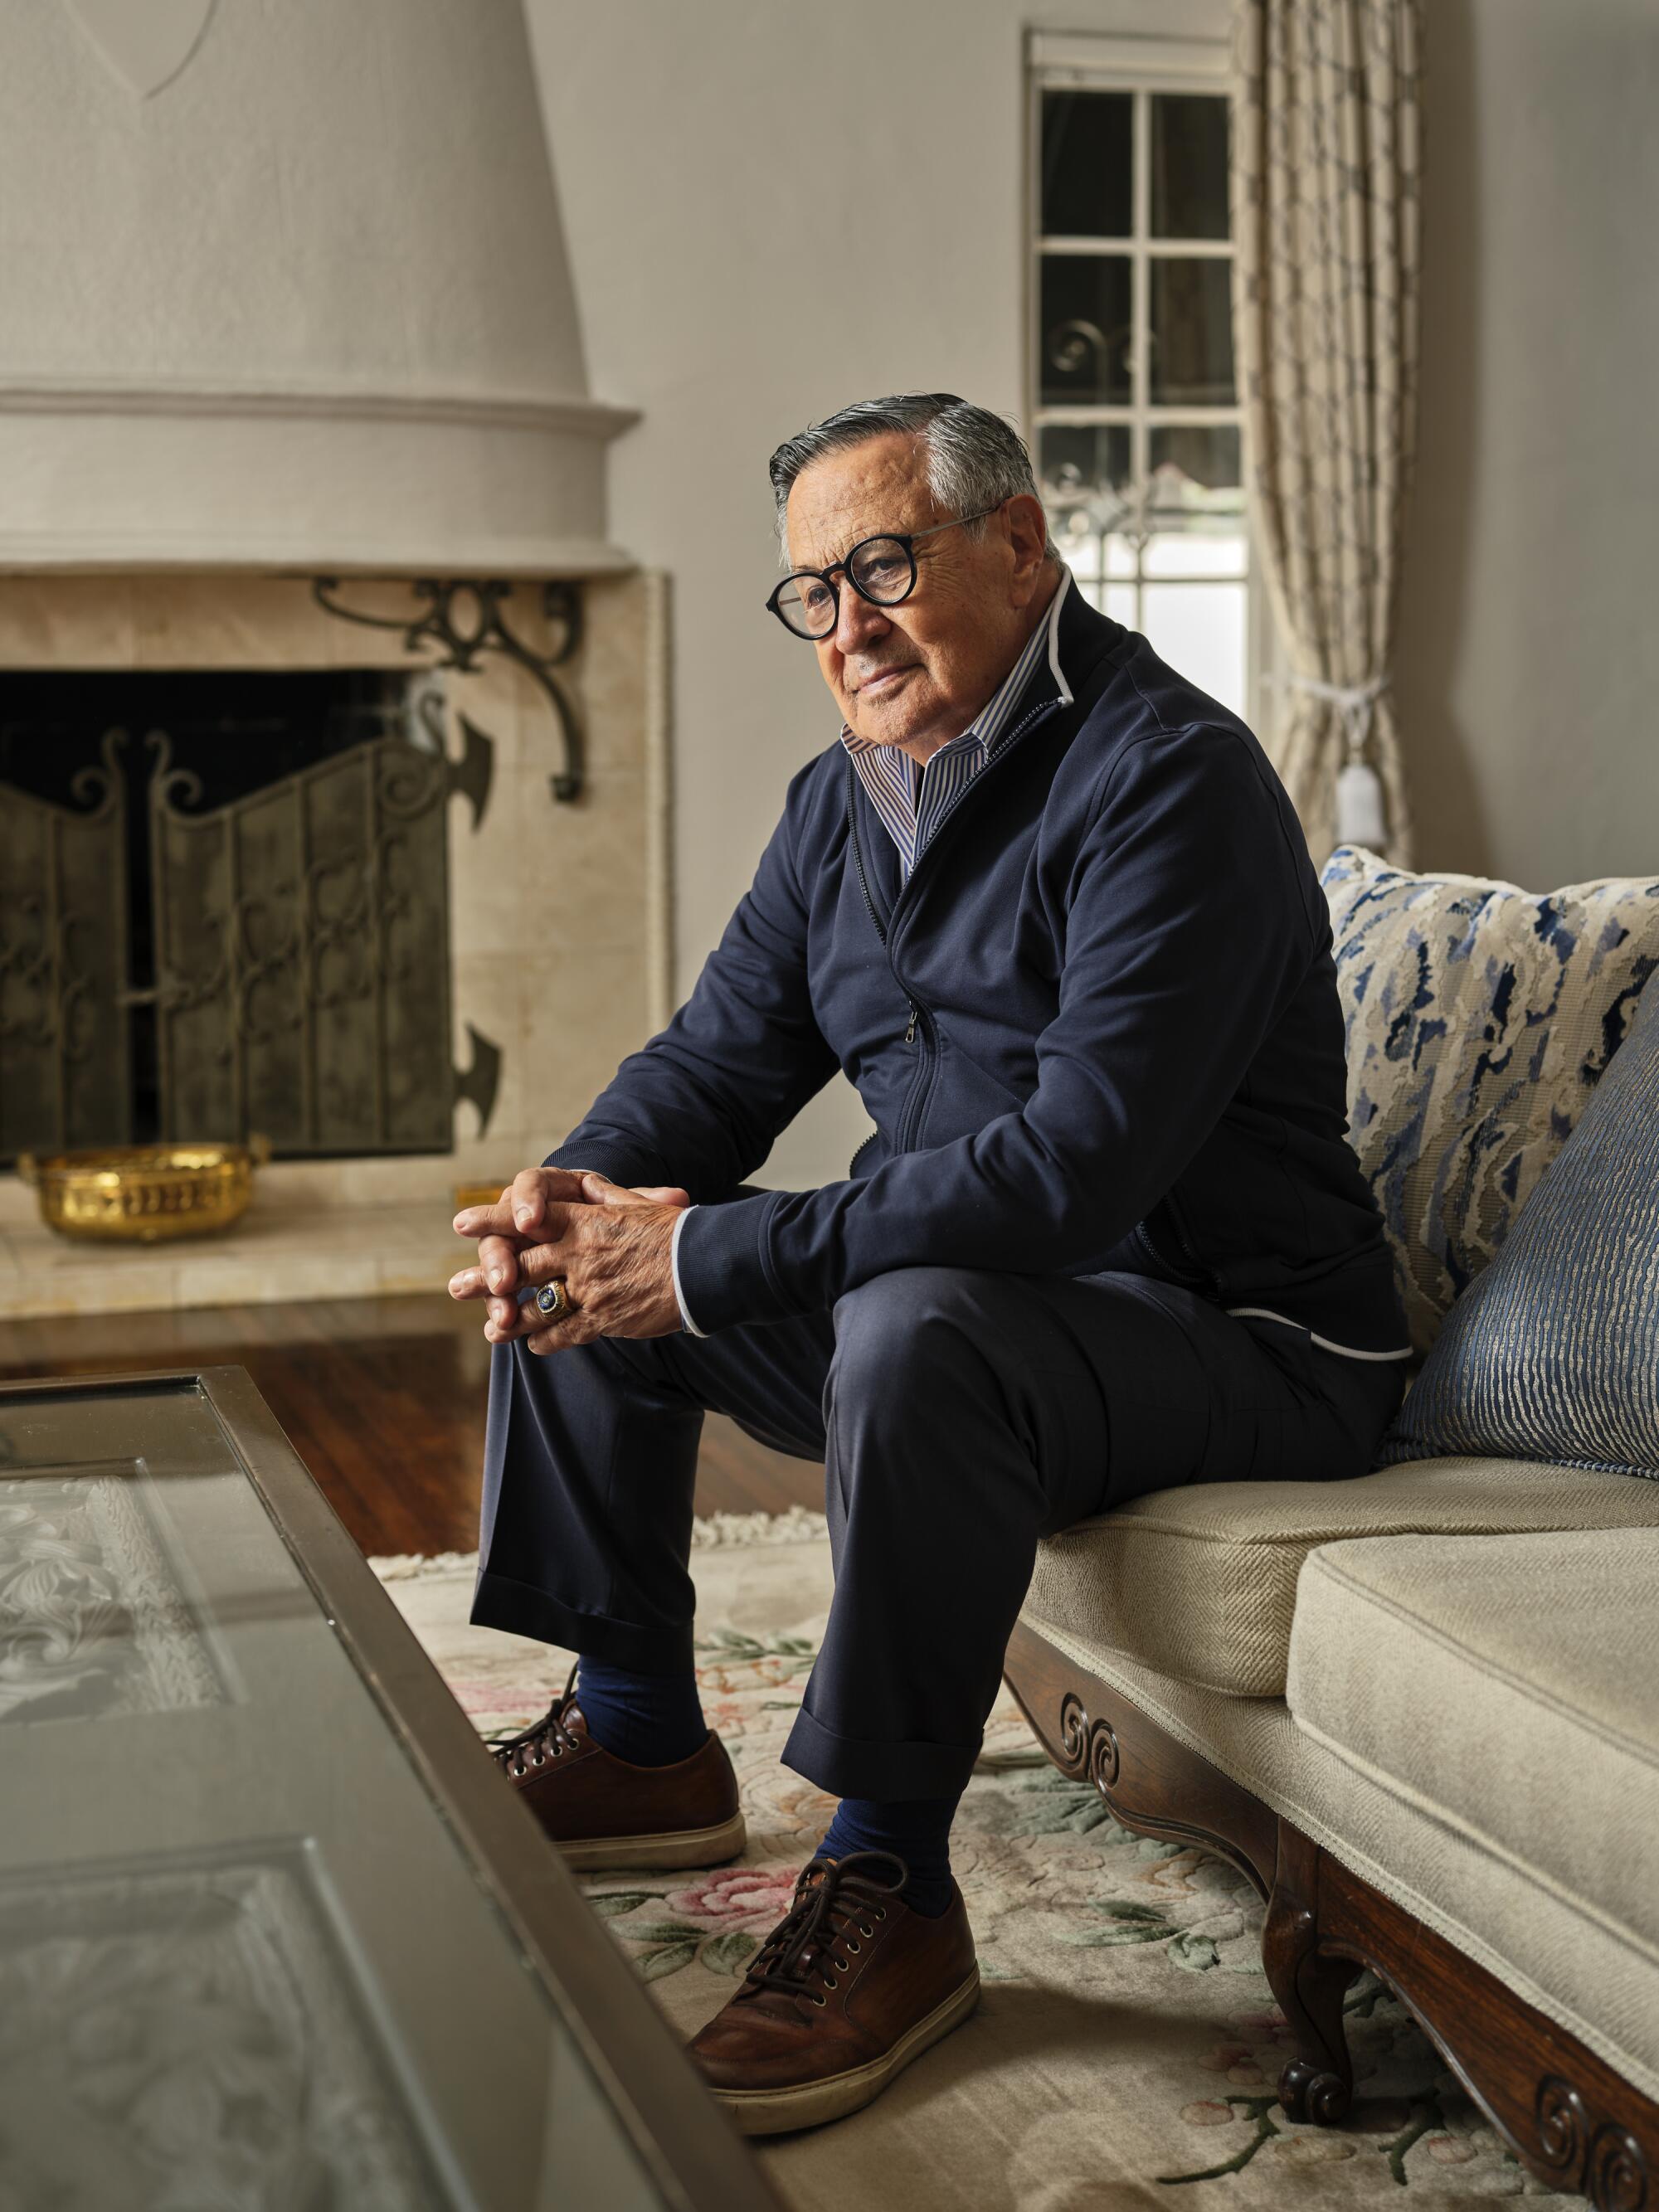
(880, 570)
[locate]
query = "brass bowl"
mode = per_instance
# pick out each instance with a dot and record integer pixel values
(480, 1194)
(143, 1194)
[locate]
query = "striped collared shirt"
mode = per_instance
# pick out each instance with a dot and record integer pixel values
(911, 797)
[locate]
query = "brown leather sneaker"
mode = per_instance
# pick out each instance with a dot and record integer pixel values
(849, 1988)
(602, 1811)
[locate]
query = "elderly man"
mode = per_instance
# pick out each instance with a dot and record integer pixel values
(1049, 909)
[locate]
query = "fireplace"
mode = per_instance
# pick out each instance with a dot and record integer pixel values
(263, 872)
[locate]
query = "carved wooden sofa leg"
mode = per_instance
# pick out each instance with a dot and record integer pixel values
(1309, 1983)
(1564, 2112)
(1156, 1786)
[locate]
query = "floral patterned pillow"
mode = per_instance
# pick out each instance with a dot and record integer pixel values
(1479, 1019)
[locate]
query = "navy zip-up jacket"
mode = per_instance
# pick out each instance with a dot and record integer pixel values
(1126, 1048)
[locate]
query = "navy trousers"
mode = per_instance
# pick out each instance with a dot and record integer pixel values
(961, 1414)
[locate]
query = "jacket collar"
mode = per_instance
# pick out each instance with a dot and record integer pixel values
(1081, 637)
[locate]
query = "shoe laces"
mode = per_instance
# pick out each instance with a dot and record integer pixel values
(836, 1903)
(545, 1740)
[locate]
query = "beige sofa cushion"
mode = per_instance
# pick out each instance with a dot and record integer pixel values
(1578, 1971)
(1201, 1583)
(1508, 1687)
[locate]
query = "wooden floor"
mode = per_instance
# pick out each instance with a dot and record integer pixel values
(382, 1398)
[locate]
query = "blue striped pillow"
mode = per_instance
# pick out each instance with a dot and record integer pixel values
(1552, 1351)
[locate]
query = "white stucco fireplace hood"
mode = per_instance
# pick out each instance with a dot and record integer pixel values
(285, 287)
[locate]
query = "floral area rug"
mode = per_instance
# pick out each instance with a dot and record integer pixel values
(1125, 2048)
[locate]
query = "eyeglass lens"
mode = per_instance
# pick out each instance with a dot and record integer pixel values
(881, 569)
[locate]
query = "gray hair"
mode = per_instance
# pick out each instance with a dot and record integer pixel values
(975, 458)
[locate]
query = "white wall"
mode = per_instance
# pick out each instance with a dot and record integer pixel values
(687, 144)
(1529, 658)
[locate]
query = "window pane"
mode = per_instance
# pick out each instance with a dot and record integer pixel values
(1195, 483)
(1192, 333)
(1198, 628)
(1083, 473)
(1091, 553)
(1085, 164)
(1084, 353)
(1084, 551)
(1084, 465)
(1190, 165)
(1196, 465)
(1186, 556)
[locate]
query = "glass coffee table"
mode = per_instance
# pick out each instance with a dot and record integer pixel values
(273, 1932)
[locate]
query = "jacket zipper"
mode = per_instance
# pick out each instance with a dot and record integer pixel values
(910, 1116)
(1181, 1239)
(1143, 1237)
(910, 1119)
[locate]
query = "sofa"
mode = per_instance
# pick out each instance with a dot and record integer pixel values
(1419, 1709)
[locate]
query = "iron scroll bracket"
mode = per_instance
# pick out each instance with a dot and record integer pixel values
(463, 618)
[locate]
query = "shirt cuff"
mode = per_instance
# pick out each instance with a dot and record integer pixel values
(686, 1321)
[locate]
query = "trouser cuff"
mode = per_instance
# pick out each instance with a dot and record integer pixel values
(521, 1609)
(893, 1772)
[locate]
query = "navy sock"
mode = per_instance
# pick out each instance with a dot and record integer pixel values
(650, 1720)
(918, 1829)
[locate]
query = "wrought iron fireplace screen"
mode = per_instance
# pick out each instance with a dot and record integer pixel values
(237, 920)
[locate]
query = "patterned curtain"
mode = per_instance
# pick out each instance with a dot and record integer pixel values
(1325, 214)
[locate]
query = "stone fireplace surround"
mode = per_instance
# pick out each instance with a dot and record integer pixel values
(559, 925)
(288, 297)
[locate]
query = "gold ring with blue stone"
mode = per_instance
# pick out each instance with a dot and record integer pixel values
(555, 1300)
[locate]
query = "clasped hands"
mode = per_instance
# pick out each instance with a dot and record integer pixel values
(610, 1244)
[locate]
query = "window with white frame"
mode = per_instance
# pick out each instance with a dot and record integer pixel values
(1133, 403)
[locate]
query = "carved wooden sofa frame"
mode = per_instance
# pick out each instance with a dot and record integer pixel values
(1565, 2113)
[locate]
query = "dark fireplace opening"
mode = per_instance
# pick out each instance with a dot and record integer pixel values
(224, 910)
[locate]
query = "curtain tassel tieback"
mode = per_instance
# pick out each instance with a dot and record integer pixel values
(1361, 817)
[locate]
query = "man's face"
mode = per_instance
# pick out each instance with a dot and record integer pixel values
(916, 675)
